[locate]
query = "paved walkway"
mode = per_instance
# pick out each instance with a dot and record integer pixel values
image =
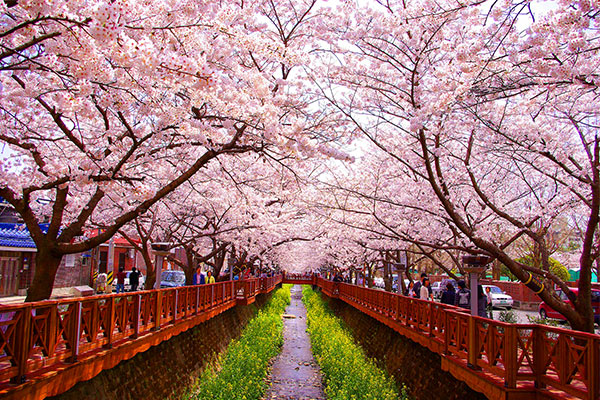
(295, 374)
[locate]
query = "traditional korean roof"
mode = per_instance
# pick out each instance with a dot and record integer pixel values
(17, 235)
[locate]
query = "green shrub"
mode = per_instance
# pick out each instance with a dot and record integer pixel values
(348, 374)
(555, 267)
(508, 316)
(543, 321)
(242, 369)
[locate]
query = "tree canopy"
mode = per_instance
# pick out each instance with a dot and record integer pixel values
(307, 134)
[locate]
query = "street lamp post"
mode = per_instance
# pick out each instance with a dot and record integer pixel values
(160, 250)
(400, 268)
(475, 265)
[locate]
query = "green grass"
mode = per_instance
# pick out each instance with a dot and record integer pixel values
(348, 373)
(243, 367)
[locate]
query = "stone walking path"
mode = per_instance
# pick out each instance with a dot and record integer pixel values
(295, 375)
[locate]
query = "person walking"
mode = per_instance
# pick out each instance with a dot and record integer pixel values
(490, 305)
(209, 277)
(410, 290)
(419, 284)
(448, 295)
(121, 275)
(481, 302)
(463, 296)
(198, 278)
(134, 279)
(425, 291)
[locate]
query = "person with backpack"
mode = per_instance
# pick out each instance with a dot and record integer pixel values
(463, 296)
(449, 294)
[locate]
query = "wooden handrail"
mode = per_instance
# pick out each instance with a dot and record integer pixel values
(37, 336)
(521, 355)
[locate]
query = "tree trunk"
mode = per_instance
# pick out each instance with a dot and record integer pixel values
(582, 324)
(387, 273)
(150, 270)
(496, 269)
(219, 260)
(190, 267)
(47, 263)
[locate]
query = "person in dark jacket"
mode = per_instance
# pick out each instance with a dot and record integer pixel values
(134, 279)
(417, 288)
(449, 294)
(481, 302)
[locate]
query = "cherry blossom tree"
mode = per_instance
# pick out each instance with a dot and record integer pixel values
(108, 106)
(491, 111)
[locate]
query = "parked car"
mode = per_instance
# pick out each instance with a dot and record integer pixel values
(499, 298)
(436, 289)
(172, 278)
(140, 285)
(547, 312)
(442, 287)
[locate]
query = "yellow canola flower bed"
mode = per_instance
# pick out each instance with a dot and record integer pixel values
(348, 373)
(241, 372)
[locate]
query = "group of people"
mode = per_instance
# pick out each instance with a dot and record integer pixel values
(134, 279)
(200, 279)
(421, 289)
(461, 298)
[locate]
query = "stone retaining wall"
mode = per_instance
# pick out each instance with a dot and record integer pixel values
(167, 371)
(409, 362)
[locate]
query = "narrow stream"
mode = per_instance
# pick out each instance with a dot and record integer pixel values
(295, 374)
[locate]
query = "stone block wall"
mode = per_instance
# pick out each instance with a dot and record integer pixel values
(409, 363)
(167, 371)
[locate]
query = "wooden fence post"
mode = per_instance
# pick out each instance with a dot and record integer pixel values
(137, 307)
(52, 329)
(539, 356)
(76, 331)
(510, 356)
(22, 344)
(110, 326)
(447, 332)
(472, 343)
(594, 369)
(158, 310)
(176, 306)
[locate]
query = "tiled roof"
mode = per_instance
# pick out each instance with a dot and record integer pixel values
(15, 235)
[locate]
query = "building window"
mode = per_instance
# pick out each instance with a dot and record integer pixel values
(70, 260)
(122, 257)
(103, 262)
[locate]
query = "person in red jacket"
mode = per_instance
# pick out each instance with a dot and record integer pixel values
(121, 275)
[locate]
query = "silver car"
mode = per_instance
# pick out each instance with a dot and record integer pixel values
(499, 298)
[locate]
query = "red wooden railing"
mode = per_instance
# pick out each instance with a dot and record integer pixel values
(516, 358)
(37, 337)
(300, 279)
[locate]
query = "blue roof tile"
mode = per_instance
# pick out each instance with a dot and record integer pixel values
(15, 235)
